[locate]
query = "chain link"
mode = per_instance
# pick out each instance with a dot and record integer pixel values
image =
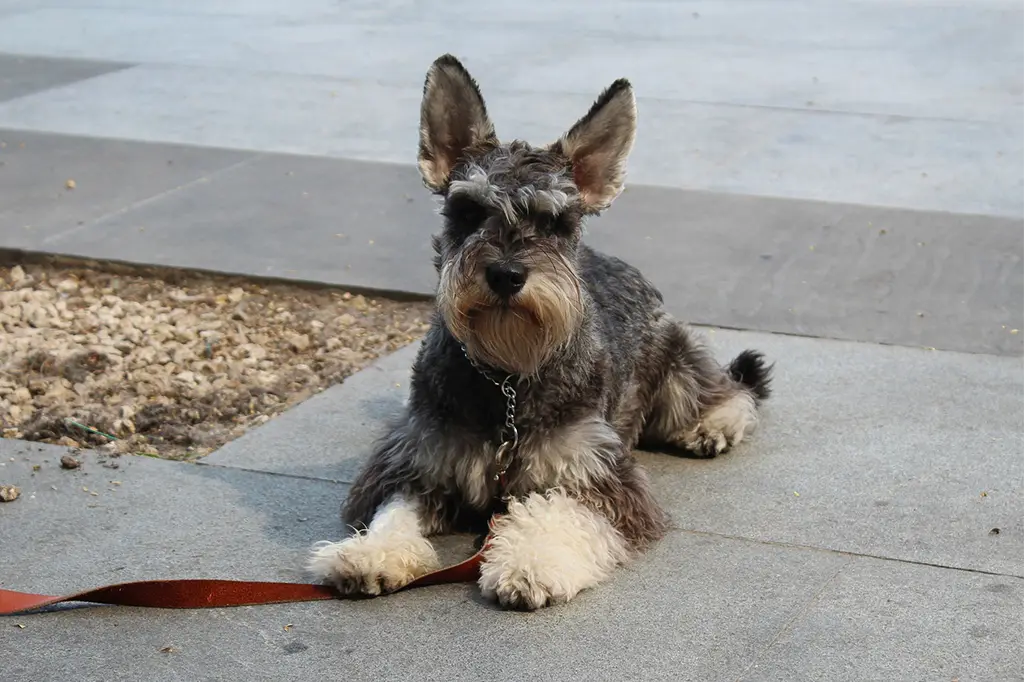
(508, 437)
(510, 430)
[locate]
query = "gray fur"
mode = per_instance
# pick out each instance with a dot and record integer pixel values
(626, 372)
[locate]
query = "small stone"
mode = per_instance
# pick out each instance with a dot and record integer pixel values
(70, 184)
(69, 462)
(299, 342)
(161, 365)
(9, 493)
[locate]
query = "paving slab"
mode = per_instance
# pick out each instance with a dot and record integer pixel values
(20, 75)
(915, 278)
(8, 7)
(943, 164)
(761, 98)
(755, 53)
(150, 519)
(719, 602)
(886, 451)
(309, 218)
(336, 429)
(874, 450)
(930, 279)
(697, 607)
(110, 177)
(885, 621)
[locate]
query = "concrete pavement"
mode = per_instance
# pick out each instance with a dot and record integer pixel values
(850, 539)
(851, 170)
(869, 273)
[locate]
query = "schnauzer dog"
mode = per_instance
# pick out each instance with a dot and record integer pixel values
(546, 362)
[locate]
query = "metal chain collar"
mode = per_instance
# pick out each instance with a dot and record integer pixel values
(508, 436)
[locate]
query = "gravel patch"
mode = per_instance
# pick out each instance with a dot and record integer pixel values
(175, 365)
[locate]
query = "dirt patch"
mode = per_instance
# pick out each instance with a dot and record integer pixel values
(176, 365)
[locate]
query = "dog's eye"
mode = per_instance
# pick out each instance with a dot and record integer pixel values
(465, 215)
(544, 222)
(549, 223)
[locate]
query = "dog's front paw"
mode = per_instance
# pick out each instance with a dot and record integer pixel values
(515, 588)
(371, 565)
(723, 426)
(545, 550)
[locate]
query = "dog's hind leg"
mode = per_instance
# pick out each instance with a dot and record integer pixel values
(698, 405)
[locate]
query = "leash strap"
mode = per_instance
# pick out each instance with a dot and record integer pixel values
(208, 594)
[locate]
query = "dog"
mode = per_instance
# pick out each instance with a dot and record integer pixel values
(545, 364)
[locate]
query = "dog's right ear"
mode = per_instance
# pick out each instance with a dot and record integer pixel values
(453, 118)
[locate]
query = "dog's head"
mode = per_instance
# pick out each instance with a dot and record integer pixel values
(513, 214)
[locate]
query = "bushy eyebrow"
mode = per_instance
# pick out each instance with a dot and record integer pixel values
(520, 201)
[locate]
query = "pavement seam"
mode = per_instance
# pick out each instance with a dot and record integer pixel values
(229, 467)
(156, 197)
(855, 555)
(793, 619)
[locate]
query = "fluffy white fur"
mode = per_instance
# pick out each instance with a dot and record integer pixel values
(725, 425)
(389, 554)
(546, 549)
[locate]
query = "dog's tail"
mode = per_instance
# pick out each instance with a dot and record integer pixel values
(749, 368)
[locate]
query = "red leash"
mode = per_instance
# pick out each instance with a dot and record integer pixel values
(207, 594)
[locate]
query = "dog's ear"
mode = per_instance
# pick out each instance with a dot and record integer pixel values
(453, 118)
(599, 143)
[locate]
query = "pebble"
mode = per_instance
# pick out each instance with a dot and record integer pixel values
(107, 350)
(299, 342)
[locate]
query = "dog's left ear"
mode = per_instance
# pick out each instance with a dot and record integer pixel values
(599, 143)
(453, 118)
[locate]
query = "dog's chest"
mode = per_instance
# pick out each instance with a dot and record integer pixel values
(554, 444)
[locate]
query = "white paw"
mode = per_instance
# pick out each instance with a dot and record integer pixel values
(514, 587)
(723, 426)
(545, 550)
(373, 564)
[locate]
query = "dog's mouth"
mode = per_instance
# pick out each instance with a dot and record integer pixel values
(506, 307)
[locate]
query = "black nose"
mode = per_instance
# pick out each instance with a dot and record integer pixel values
(506, 279)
